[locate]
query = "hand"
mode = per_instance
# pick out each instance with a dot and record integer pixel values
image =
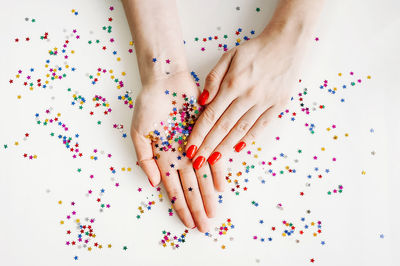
(154, 105)
(247, 87)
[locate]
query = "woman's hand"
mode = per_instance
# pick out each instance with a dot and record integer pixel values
(191, 192)
(163, 69)
(249, 85)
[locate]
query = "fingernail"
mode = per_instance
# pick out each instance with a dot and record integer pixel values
(151, 183)
(198, 163)
(191, 151)
(194, 227)
(240, 146)
(214, 158)
(203, 97)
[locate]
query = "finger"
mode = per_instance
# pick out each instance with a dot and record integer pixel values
(218, 171)
(193, 197)
(238, 131)
(218, 168)
(175, 194)
(144, 153)
(215, 78)
(261, 124)
(218, 132)
(204, 179)
(207, 120)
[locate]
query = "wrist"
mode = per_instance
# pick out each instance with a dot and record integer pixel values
(293, 21)
(165, 65)
(291, 33)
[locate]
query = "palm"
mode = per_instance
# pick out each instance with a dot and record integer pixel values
(154, 103)
(164, 115)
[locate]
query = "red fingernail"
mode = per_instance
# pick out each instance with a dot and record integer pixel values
(151, 183)
(203, 97)
(240, 146)
(198, 163)
(194, 227)
(214, 158)
(191, 151)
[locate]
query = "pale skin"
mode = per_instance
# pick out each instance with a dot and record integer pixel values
(249, 85)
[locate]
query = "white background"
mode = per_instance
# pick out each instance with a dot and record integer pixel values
(358, 36)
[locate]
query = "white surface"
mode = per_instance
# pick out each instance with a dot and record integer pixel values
(358, 36)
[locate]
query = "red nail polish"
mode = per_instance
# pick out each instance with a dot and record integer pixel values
(203, 97)
(194, 227)
(191, 151)
(240, 146)
(151, 183)
(214, 158)
(198, 163)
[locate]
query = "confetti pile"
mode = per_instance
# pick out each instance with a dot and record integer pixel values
(173, 241)
(222, 231)
(290, 229)
(177, 128)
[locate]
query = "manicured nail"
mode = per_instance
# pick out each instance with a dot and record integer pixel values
(214, 158)
(240, 146)
(203, 97)
(151, 183)
(194, 227)
(198, 163)
(191, 151)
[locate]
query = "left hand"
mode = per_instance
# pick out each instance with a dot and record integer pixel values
(247, 87)
(159, 108)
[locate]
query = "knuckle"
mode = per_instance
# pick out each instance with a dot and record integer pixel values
(252, 93)
(224, 126)
(264, 120)
(174, 193)
(230, 82)
(212, 76)
(209, 114)
(185, 170)
(243, 126)
(264, 123)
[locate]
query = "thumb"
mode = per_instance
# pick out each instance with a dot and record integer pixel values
(215, 78)
(144, 153)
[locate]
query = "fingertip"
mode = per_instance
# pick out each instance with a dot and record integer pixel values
(210, 211)
(190, 224)
(219, 184)
(151, 183)
(154, 181)
(218, 177)
(191, 151)
(203, 227)
(187, 219)
(240, 146)
(204, 97)
(152, 172)
(214, 157)
(210, 204)
(198, 163)
(220, 187)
